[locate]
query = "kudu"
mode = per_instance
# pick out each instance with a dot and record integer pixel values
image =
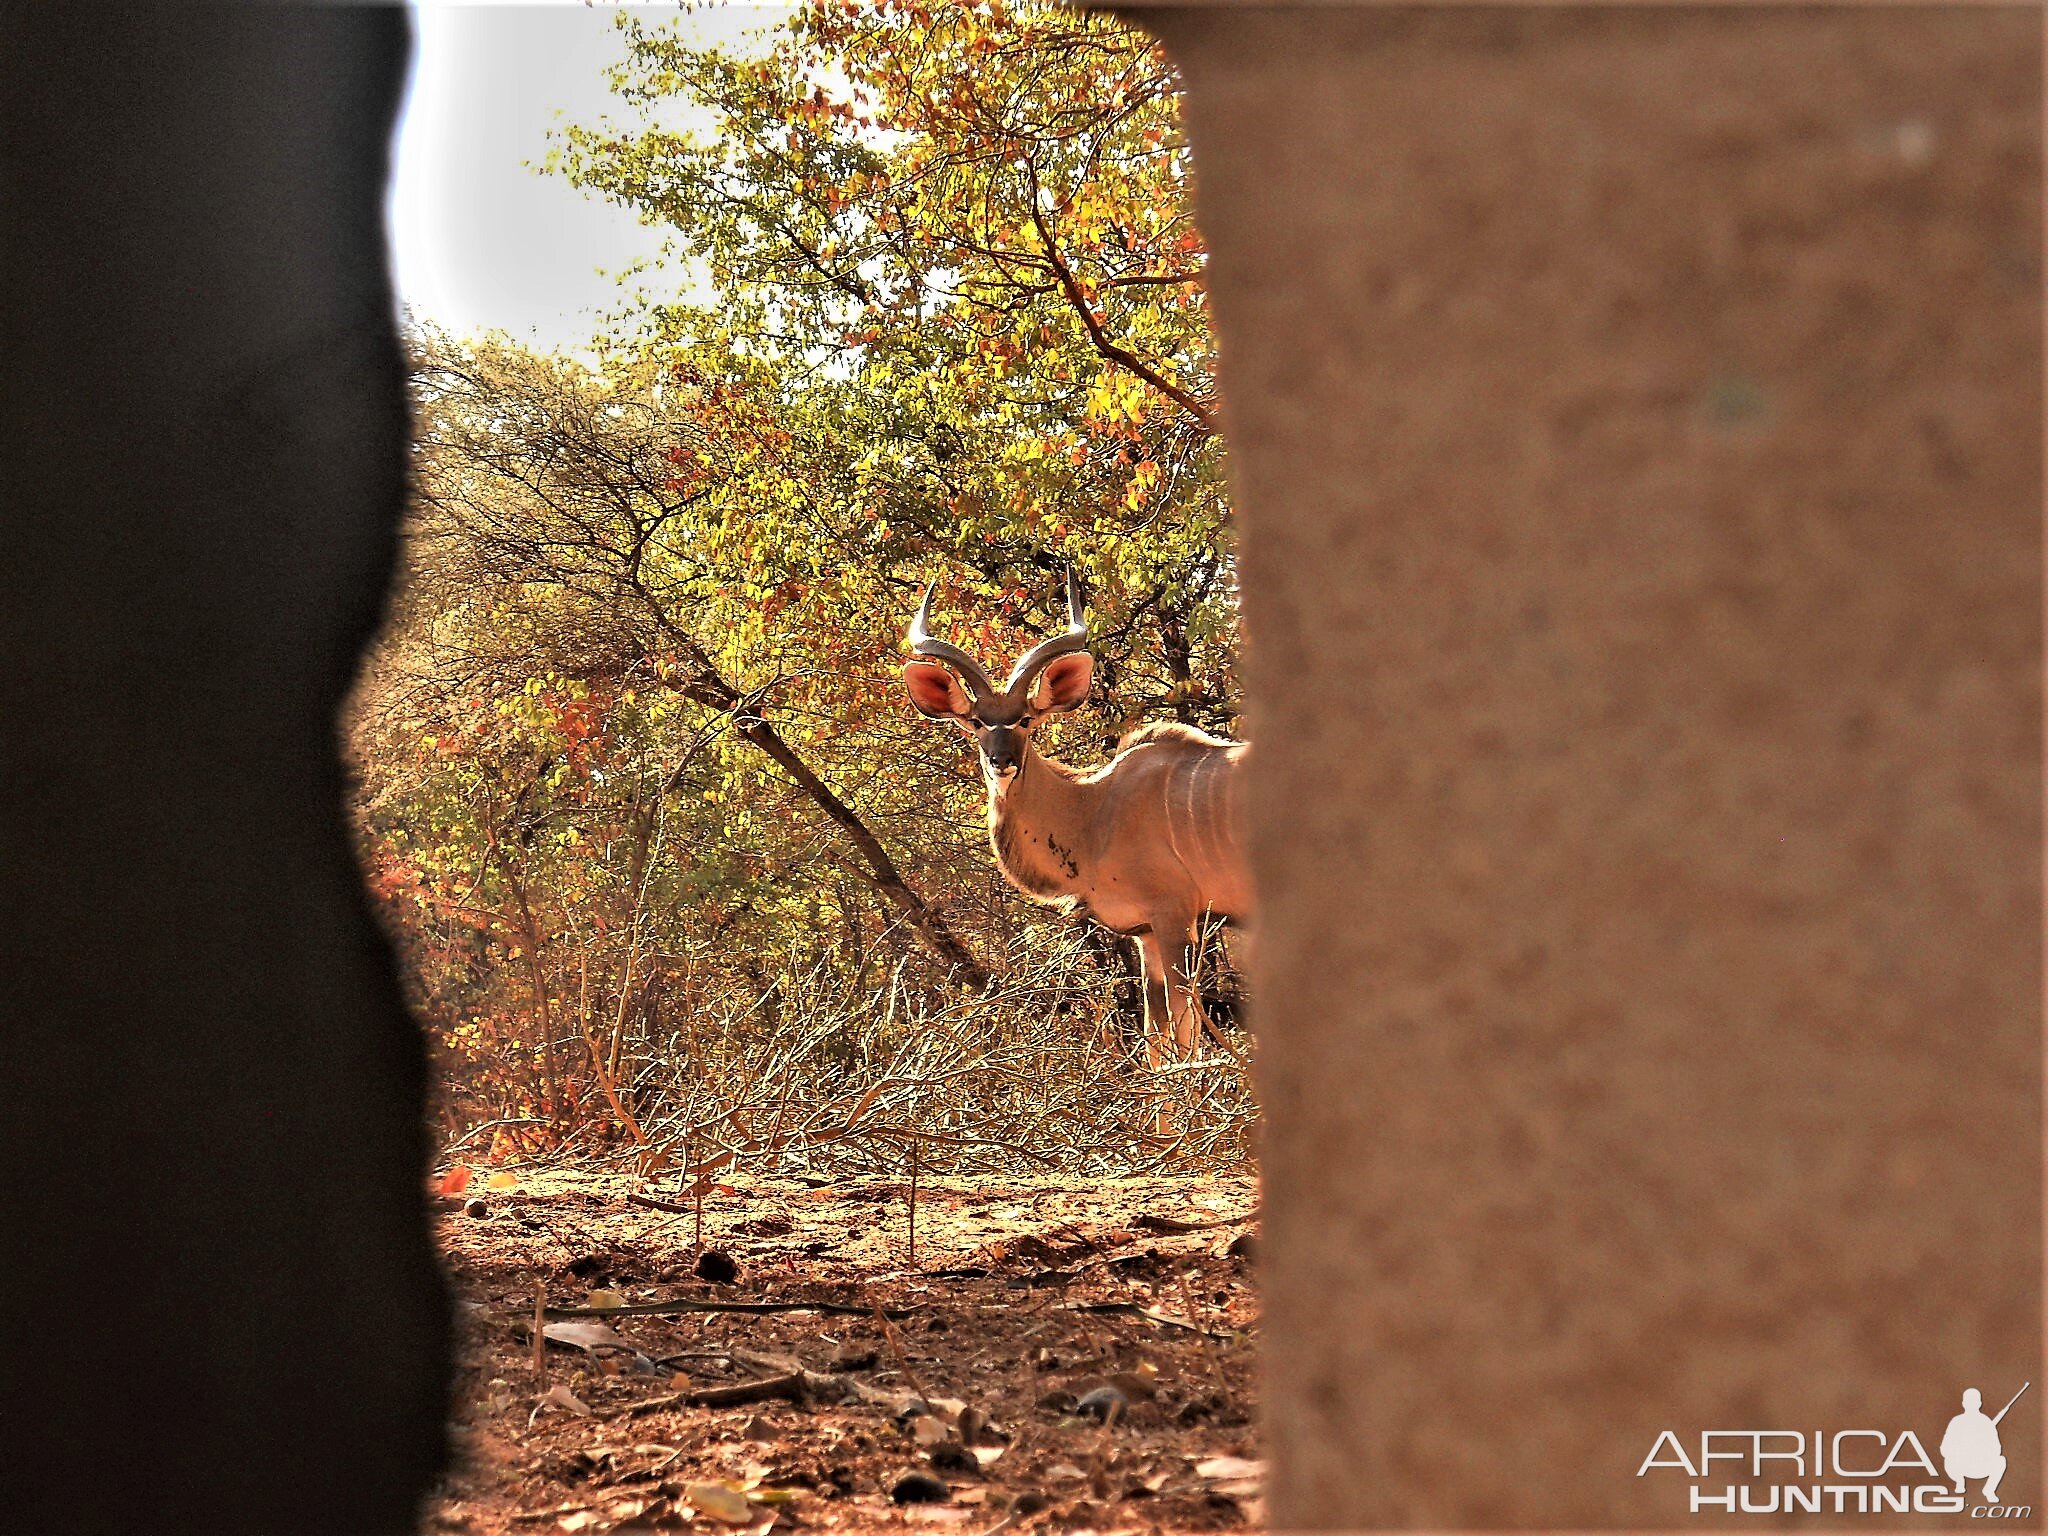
(1147, 844)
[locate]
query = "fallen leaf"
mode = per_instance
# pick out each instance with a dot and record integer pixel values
(1230, 1467)
(720, 1502)
(928, 1429)
(455, 1181)
(989, 1455)
(548, 1514)
(502, 1181)
(1065, 1471)
(559, 1396)
(586, 1336)
(604, 1299)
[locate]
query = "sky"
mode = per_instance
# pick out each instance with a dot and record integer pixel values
(480, 239)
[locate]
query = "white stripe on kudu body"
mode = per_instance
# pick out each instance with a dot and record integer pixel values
(1149, 843)
(1203, 820)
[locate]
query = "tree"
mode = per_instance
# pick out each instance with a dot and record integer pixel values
(963, 231)
(635, 752)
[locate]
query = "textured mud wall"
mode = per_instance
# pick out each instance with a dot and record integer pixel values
(1635, 420)
(222, 1309)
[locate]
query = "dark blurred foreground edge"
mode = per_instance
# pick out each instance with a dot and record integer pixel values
(222, 1307)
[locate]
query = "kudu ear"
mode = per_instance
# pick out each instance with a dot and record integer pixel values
(1064, 682)
(935, 691)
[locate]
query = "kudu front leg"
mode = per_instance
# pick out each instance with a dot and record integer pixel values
(1158, 1016)
(1173, 1007)
(1158, 1000)
(1183, 997)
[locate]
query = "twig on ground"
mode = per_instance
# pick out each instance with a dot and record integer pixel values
(749, 1308)
(1150, 1315)
(912, 1260)
(793, 1388)
(896, 1349)
(1166, 1226)
(540, 1337)
(674, 1208)
(797, 1386)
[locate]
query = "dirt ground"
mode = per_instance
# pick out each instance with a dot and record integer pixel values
(1084, 1353)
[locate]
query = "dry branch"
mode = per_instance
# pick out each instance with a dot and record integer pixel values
(680, 1304)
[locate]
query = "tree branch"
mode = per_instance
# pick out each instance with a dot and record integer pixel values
(1121, 356)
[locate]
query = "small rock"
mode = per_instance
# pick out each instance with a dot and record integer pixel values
(972, 1422)
(1029, 1502)
(910, 1410)
(855, 1357)
(919, 1488)
(718, 1267)
(475, 1210)
(1057, 1401)
(1104, 1403)
(1244, 1246)
(952, 1456)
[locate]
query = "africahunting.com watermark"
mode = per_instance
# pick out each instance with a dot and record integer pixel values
(1847, 1472)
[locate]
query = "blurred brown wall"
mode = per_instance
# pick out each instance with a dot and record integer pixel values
(1635, 421)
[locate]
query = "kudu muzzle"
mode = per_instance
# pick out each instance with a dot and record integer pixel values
(1002, 748)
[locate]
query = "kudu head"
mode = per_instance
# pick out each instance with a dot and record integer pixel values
(1053, 677)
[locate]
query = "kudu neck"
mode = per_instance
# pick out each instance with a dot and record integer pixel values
(1039, 784)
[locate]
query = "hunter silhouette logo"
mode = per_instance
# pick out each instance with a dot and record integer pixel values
(1971, 1449)
(1845, 1472)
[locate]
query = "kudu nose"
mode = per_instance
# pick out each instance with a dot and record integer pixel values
(1003, 751)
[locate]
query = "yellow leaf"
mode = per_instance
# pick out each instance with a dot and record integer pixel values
(720, 1502)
